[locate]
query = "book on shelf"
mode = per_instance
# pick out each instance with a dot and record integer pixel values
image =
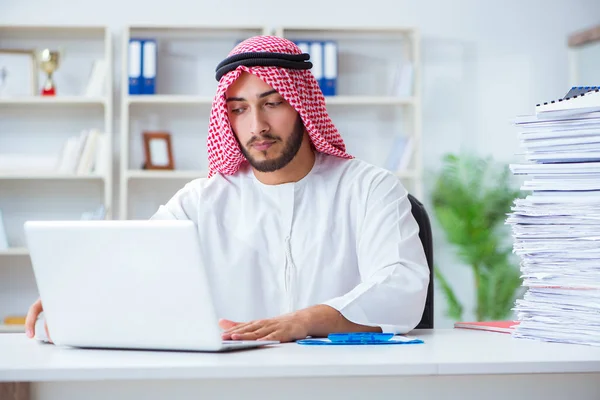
(491, 326)
(324, 57)
(400, 154)
(97, 214)
(85, 154)
(3, 235)
(402, 84)
(330, 68)
(96, 86)
(142, 66)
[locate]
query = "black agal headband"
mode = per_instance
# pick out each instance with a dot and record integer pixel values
(264, 59)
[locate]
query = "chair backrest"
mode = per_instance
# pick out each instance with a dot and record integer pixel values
(420, 214)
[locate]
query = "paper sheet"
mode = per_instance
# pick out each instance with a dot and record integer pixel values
(556, 228)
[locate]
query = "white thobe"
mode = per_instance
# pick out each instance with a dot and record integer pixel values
(343, 236)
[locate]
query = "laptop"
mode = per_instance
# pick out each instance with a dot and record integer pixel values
(126, 285)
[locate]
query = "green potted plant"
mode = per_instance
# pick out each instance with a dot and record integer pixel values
(471, 197)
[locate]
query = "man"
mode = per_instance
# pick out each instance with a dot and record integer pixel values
(300, 239)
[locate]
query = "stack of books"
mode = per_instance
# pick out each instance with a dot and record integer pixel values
(556, 228)
(85, 154)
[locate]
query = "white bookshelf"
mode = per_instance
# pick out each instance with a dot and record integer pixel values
(368, 100)
(73, 101)
(146, 174)
(33, 176)
(175, 100)
(38, 126)
(185, 87)
(368, 114)
(366, 110)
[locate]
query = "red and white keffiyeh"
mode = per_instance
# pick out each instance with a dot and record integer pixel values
(298, 87)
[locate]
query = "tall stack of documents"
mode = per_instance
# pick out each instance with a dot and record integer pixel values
(556, 228)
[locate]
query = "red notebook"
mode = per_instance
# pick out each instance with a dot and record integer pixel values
(492, 326)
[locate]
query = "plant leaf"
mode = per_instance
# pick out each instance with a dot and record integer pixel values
(471, 198)
(455, 309)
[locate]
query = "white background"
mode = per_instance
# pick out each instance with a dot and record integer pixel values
(483, 63)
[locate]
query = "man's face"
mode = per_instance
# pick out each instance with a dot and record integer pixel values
(269, 130)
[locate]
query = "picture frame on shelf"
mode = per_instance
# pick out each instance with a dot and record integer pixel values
(18, 73)
(158, 153)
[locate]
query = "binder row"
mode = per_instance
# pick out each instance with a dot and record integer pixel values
(142, 66)
(324, 56)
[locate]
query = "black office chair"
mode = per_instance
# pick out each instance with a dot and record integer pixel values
(420, 214)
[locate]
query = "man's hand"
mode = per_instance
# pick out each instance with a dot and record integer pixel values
(319, 320)
(32, 316)
(285, 328)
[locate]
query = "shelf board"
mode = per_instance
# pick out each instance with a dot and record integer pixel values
(53, 100)
(347, 29)
(195, 28)
(152, 174)
(15, 251)
(166, 99)
(49, 176)
(73, 29)
(4, 328)
(368, 100)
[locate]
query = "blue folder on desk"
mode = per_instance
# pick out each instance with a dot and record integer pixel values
(361, 338)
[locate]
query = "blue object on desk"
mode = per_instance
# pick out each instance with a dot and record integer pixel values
(361, 338)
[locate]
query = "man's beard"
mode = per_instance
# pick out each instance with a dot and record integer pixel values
(291, 148)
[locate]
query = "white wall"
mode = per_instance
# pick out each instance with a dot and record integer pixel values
(483, 62)
(586, 64)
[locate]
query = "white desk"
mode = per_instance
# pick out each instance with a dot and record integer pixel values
(450, 364)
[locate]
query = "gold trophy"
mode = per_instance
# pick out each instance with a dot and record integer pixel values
(48, 61)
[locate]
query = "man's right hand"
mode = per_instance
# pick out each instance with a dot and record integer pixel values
(32, 316)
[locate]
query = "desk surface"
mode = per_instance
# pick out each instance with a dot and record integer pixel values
(445, 352)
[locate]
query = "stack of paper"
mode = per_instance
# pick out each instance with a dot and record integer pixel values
(556, 228)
